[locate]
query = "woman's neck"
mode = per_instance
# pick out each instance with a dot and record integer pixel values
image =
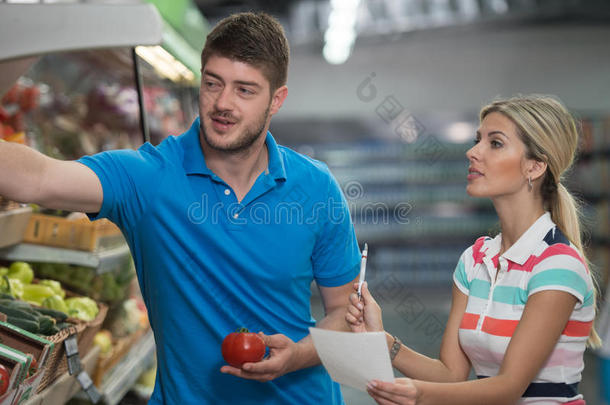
(516, 215)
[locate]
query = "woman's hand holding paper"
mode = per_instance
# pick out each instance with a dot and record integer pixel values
(401, 392)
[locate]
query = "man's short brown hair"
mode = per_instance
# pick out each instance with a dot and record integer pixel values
(257, 39)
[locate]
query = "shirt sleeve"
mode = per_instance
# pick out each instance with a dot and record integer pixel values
(127, 178)
(336, 256)
(562, 269)
(460, 277)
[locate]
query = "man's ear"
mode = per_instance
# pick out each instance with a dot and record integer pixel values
(277, 99)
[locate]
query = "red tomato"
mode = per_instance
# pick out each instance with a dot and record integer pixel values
(33, 366)
(4, 379)
(242, 347)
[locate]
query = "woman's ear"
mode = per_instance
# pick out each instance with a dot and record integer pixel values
(536, 169)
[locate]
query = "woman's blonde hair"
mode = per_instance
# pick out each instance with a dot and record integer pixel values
(550, 135)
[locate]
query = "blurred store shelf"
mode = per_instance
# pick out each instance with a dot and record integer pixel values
(102, 261)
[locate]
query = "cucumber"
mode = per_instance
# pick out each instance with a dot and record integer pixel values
(46, 324)
(18, 313)
(30, 326)
(63, 325)
(60, 316)
(53, 330)
(17, 304)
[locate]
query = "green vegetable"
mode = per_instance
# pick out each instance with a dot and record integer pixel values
(55, 286)
(11, 286)
(52, 330)
(82, 308)
(59, 315)
(21, 271)
(55, 302)
(3, 271)
(36, 293)
(17, 313)
(63, 325)
(46, 324)
(30, 326)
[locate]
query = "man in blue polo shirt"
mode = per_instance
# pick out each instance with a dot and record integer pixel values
(227, 229)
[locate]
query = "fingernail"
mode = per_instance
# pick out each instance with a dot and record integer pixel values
(359, 305)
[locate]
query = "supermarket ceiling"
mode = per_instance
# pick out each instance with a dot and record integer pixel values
(308, 21)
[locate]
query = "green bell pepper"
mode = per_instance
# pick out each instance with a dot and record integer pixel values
(21, 271)
(55, 302)
(55, 286)
(36, 293)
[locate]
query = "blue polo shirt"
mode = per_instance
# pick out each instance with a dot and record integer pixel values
(208, 264)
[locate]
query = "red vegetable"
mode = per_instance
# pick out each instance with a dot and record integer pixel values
(242, 347)
(4, 379)
(33, 366)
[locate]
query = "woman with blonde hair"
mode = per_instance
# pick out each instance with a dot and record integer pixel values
(523, 302)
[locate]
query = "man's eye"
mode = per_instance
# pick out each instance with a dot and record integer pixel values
(245, 91)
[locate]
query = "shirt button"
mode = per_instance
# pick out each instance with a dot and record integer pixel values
(227, 191)
(235, 215)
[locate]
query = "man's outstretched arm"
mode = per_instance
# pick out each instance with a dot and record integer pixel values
(29, 176)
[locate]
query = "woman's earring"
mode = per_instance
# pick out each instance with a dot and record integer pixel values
(529, 183)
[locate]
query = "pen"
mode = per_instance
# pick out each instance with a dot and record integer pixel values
(362, 269)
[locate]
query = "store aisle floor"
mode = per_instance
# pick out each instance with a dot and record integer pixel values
(418, 317)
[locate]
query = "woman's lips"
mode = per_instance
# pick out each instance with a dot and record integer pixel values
(473, 174)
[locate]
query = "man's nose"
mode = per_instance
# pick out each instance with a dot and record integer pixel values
(224, 100)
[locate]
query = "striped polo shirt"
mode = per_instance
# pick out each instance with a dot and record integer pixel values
(542, 259)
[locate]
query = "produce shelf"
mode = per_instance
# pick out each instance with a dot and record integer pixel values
(13, 224)
(66, 386)
(102, 261)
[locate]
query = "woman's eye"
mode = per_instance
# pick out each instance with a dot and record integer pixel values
(496, 144)
(476, 140)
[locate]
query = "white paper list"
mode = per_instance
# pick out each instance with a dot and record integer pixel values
(353, 359)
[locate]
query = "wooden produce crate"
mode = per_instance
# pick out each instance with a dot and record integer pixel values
(13, 225)
(78, 234)
(85, 332)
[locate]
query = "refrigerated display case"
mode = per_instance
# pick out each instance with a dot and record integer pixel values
(73, 84)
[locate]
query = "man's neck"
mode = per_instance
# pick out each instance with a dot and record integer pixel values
(239, 170)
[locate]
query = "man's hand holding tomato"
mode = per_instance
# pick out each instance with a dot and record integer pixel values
(284, 355)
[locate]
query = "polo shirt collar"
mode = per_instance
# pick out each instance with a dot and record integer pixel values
(521, 250)
(275, 167)
(194, 161)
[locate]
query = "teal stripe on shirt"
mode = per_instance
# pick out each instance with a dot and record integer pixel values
(518, 296)
(559, 277)
(479, 288)
(510, 295)
(460, 275)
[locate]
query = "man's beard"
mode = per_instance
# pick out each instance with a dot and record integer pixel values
(244, 141)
